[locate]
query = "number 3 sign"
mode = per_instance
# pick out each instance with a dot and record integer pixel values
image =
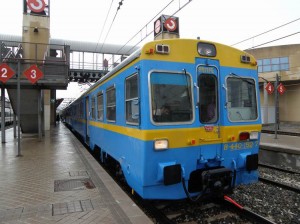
(33, 74)
(36, 5)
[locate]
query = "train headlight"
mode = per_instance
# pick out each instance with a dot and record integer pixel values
(254, 135)
(161, 144)
(207, 49)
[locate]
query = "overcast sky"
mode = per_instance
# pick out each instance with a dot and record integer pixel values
(227, 22)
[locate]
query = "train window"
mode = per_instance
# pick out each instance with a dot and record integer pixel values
(93, 111)
(111, 104)
(132, 101)
(208, 98)
(81, 110)
(171, 97)
(100, 108)
(241, 99)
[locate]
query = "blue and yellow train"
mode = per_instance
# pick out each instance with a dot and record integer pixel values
(179, 117)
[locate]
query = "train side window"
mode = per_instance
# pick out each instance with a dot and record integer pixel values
(111, 104)
(100, 108)
(81, 110)
(93, 108)
(131, 100)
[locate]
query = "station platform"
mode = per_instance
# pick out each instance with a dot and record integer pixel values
(284, 142)
(56, 180)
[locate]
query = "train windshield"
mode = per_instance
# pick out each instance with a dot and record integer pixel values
(171, 97)
(241, 99)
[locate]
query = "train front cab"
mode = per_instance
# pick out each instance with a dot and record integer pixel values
(221, 151)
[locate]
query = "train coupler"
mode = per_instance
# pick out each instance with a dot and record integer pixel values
(217, 181)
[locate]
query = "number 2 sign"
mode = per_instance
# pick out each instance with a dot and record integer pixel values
(33, 74)
(5, 72)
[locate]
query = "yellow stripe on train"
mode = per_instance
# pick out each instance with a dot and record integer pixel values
(182, 137)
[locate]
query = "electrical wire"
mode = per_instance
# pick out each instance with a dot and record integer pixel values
(273, 40)
(144, 27)
(266, 31)
(120, 3)
(180, 8)
(104, 25)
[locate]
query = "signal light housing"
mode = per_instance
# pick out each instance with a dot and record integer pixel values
(244, 136)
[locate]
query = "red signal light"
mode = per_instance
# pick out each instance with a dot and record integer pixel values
(244, 136)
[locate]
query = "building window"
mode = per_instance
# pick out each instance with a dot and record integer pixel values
(100, 106)
(132, 101)
(273, 64)
(111, 104)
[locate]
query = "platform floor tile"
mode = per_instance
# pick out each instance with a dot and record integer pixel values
(27, 184)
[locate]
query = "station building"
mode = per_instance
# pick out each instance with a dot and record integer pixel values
(283, 61)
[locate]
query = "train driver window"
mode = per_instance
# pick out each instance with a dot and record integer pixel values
(111, 104)
(171, 98)
(241, 99)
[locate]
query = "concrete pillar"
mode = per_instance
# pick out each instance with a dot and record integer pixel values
(47, 111)
(53, 107)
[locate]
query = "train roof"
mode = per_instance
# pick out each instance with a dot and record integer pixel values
(182, 46)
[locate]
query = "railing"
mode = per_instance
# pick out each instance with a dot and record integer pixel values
(52, 59)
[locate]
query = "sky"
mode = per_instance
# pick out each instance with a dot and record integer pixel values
(227, 22)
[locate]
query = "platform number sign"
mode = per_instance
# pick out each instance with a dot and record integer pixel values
(281, 89)
(36, 5)
(170, 24)
(33, 74)
(5, 72)
(270, 88)
(166, 24)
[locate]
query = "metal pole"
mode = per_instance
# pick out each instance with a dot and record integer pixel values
(42, 113)
(19, 109)
(266, 100)
(39, 115)
(15, 124)
(276, 107)
(3, 114)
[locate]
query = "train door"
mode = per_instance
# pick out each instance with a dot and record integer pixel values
(87, 114)
(209, 100)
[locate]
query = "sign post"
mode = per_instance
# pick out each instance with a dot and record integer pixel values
(276, 107)
(19, 109)
(5, 74)
(2, 114)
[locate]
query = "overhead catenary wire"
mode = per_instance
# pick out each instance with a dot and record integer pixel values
(273, 40)
(180, 8)
(119, 7)
(145, 26)
(104, 25)
(275, 28)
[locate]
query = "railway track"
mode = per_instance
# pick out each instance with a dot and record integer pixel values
(281, 177)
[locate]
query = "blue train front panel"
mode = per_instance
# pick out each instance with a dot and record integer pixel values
(154, 119)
